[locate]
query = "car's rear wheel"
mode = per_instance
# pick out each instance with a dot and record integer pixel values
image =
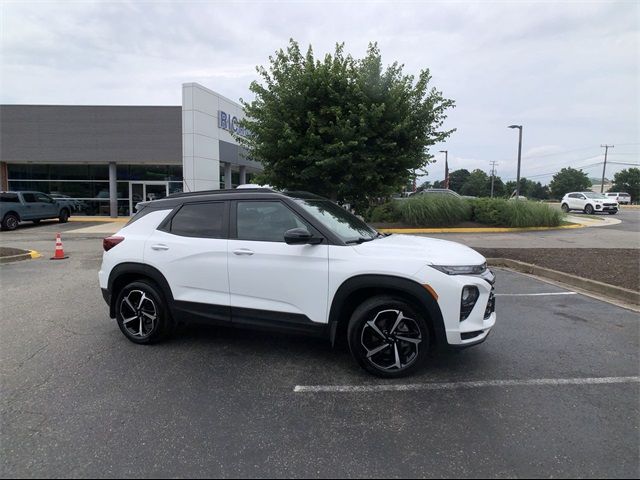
(141, 313)
(565, 208)
(388, 337)
(10, 221)
(64, 216)
(588, 210)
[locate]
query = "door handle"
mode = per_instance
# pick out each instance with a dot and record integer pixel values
(159, 247)
(243, 251)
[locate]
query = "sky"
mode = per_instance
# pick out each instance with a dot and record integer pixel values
(567, 71)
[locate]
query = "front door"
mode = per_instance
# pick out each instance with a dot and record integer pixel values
(270, 281)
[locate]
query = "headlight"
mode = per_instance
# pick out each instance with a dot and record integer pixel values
(461, 269)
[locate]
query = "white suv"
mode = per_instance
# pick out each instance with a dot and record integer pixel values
(588, 202)
(294, 262)
(621, 197)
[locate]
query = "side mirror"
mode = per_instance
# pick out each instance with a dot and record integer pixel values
(300, 236)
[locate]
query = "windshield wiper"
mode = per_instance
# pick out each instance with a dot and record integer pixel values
(359, 240)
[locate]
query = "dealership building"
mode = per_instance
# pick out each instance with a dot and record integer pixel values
(112, 157)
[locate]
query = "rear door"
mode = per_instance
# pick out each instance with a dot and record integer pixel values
(31, 209)
(190, 250)
(272, 283)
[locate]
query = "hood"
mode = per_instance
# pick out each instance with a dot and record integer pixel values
(424, 249)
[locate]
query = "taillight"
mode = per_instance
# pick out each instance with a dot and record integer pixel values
(110, 242)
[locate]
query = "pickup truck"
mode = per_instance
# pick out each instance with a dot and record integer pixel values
(16, 207)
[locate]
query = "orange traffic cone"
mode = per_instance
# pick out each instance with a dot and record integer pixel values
(59, 255)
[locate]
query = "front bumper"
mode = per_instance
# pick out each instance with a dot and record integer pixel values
(607, 208)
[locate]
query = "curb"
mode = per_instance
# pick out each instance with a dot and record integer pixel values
(27, 255)
(592, 286)
(478, 230)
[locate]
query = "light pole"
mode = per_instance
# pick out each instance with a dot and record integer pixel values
(519, 127)
(446, 168)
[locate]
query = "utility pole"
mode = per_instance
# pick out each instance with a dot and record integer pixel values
(446, 167)
(493, 175)
(604, 167)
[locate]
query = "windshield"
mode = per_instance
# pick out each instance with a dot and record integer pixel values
(594, 195)
(347, 226)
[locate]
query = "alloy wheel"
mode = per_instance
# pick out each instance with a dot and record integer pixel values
(139, 314)
(391, 340)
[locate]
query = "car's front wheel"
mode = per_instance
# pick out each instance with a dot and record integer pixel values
(141, 313)
(588, 210)
(64, 216)
(388, 337)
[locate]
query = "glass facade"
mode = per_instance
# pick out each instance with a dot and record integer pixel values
(89, 184)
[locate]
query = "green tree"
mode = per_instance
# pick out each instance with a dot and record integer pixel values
(457, 179)
(478, 184)
(424, 186)
(345, 128)
(568, 180)
(628, 181)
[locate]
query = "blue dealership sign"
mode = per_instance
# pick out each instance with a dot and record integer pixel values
(231, 124)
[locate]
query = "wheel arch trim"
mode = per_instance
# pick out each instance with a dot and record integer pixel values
(415, 290)
(134, 268)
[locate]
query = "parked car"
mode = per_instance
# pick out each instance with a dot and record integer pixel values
(621, 197)
(588, 202)
(294, 262)
(438, 191)
(16, 207)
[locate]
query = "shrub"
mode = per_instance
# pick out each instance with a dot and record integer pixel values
(510, 213)
(434, 211)
(385, 213)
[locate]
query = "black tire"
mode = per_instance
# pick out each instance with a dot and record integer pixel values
(383, 312)
(10, 221)
(565, 208)
(157, 322)
(36, 222)
(64, 216)
(588, 210)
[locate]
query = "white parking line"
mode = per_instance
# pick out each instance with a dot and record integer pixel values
(533, 294)
(463, 385)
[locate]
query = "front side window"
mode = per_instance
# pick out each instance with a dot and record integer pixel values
(265, 221)
(347, 226)
(41, 197)
(597, 196)
(202, 220)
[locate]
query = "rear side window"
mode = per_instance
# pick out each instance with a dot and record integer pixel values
(9, 198)
(202, 220)
(29, 197)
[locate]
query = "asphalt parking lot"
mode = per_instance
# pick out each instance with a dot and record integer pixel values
(79, 400)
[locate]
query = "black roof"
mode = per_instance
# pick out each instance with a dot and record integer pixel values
(227, 194)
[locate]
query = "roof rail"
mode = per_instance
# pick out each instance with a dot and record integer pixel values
(219, 192)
